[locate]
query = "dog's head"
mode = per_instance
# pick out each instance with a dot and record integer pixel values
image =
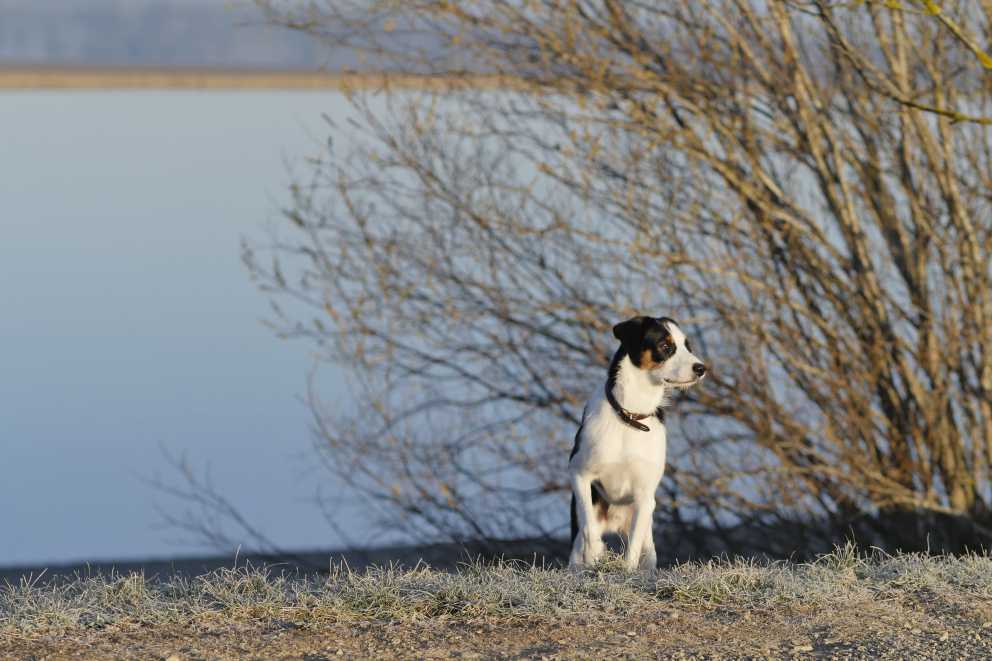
(659, 346)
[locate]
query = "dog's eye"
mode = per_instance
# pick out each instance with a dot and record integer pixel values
(666, 347)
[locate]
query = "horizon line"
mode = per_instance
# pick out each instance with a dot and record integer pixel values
(88, 77)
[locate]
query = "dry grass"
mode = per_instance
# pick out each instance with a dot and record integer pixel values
(502, 591)
(148, 78)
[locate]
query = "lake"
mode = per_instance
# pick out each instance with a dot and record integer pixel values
(128, 323)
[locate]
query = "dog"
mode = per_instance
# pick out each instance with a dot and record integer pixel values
(619, 453)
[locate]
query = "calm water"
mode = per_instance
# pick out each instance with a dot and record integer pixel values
(127, 321)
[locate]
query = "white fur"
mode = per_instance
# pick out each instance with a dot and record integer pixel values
(628, 463)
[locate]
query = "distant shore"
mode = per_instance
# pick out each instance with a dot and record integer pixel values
(93, 78)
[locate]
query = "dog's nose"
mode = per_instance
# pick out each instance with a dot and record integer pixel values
(699, 369)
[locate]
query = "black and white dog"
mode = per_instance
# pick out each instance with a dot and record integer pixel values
(619, 453)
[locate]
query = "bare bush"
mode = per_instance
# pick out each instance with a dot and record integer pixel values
(751, 168)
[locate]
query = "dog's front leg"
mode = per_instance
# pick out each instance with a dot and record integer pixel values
(641, 538)
(649, 557)
(588, 545)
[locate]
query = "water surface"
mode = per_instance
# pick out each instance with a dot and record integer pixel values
(127, 321)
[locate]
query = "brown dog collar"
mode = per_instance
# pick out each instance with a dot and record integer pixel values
(629, 417)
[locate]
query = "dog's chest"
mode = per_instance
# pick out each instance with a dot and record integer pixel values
(623, 459)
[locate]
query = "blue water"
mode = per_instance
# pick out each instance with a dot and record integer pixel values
(128, 322)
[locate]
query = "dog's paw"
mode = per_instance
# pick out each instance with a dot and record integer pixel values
(594, 551)
(577, 559)
(586, 554)
(578, 563)
(649, 564)
(646, 564)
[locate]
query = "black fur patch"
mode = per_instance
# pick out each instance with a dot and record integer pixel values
(614, 371)
(575, 521)
(599, 504)
(646, 340)
(575, 450)
(576, 443)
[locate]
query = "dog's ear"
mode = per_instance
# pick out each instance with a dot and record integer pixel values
(630, 333)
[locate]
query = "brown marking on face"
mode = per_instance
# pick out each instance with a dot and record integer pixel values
(656, 346)
(646, 359)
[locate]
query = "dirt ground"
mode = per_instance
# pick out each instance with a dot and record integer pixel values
(918, 629)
